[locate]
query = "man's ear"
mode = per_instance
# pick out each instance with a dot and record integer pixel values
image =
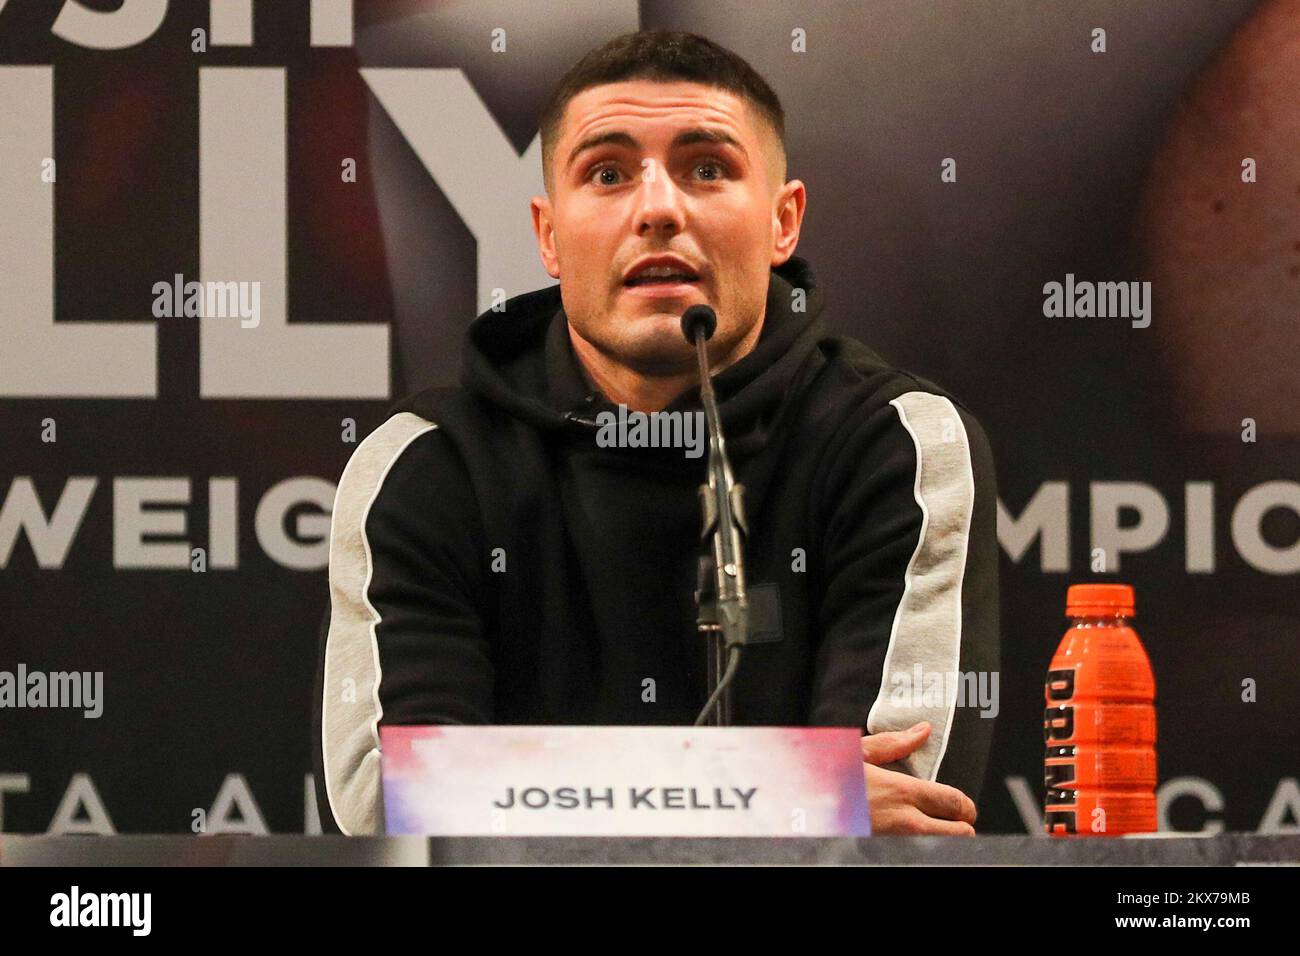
(787, 218)
(544, 228)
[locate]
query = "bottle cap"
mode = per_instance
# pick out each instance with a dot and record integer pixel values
(1099, 600)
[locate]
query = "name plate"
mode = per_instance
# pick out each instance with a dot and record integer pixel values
(624, 781)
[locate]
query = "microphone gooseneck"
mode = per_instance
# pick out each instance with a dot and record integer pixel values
(720, 586)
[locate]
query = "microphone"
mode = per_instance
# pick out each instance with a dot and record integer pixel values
(699, 316)
(723, 607)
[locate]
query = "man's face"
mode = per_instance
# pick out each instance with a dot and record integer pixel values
(644, 168)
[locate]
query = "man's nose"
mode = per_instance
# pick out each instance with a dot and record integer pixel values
(659, 201)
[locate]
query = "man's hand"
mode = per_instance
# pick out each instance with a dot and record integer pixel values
(902, 804)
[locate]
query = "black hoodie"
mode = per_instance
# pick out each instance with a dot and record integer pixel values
(492, 561)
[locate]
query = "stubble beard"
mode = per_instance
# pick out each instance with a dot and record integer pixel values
(668, 354)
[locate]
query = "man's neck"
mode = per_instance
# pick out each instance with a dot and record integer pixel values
(648, 393)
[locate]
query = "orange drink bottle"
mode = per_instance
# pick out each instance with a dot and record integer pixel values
(1099, 728)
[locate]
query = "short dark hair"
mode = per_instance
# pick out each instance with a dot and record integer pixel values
(661, 55)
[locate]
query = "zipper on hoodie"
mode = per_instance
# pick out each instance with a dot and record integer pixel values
(577, 419)
(575, 416)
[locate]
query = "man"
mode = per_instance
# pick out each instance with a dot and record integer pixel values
(494, 560)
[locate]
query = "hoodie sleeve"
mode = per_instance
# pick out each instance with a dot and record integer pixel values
(909, 620)
(403, 641)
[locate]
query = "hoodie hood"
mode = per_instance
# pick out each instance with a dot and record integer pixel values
(520, 359)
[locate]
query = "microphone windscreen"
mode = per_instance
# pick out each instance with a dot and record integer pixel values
(701, 317)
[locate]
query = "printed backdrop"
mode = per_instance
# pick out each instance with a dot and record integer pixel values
(369, 165)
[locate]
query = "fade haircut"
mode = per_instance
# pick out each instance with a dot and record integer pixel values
(663, 56)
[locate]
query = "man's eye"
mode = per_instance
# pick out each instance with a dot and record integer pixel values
(599, 170)
(712, 164)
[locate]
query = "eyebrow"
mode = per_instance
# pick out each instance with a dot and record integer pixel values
(687, 137)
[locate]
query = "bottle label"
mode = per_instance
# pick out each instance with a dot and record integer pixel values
(1099, 731)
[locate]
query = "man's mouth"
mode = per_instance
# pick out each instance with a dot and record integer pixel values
(660, 274)
(677, 287)
(661, 277)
